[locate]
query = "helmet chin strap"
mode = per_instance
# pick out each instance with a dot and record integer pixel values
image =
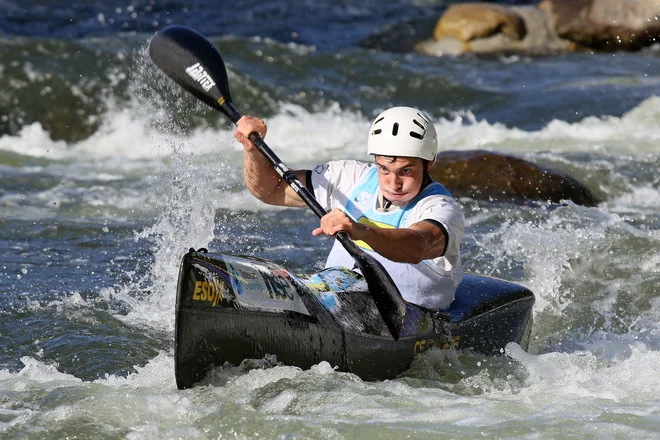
(385, 204)
(426, 178)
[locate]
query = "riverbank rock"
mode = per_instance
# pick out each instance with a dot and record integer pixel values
(554, 26)
(606, 24)
(469, 21)
(485, 175)
(494, 29)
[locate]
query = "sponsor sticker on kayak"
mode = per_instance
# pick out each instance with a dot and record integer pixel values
(257, 286)
(443, 343)
(210, 290)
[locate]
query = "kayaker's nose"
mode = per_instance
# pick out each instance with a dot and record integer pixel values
(393, 182)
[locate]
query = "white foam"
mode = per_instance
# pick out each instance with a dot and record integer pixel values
(313, 138)
(33, 140)
(583, 377)
(640, 199)
(157, 373)
(636, 132)
(560, 247)
(579, 386)
(35, 372)
(301, 137)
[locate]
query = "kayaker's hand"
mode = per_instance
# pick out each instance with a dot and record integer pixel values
(336, 221)
(245, 126)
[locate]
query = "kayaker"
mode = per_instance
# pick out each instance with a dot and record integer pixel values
(391, 207)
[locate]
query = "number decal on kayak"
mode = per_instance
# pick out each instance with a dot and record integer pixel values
(278, 288)
(260, 286)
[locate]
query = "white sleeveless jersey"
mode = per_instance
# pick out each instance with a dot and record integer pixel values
(353, 187)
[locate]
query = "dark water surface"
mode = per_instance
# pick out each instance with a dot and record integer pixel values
(109, 173)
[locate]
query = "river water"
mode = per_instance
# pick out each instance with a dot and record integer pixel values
(109, 173)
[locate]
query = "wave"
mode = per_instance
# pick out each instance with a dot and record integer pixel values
(303, 136)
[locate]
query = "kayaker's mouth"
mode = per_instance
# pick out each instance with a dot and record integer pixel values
(395, 195)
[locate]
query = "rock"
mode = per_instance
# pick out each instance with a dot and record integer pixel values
(445, 46)
(606, 24)
(485, 175)
(498, 43)
(554, 26)
(469, 21)
(539, 38)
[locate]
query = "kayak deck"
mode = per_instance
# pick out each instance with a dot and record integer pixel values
(230, 308)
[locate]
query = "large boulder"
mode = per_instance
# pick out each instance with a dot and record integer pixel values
(492, 29)
(468, 21)
(606, 24)
(485, 175)
(553, 26)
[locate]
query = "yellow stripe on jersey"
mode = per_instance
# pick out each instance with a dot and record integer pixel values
(368, 222)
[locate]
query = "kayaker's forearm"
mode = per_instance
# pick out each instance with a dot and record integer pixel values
(260, 177)
(400, 245)
(265, 183)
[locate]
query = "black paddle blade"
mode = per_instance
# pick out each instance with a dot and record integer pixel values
(194, 63)
(390, 303)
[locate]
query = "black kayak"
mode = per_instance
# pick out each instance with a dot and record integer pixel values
(230, 308)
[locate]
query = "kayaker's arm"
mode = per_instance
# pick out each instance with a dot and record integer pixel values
(420, 241)
(260, 177)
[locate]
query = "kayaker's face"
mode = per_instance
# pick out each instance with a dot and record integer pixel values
(400, 180)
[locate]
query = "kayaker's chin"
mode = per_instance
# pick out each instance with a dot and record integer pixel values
(398, 199)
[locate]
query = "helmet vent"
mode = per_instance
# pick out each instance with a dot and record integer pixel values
(395, 129)
(415, 134)
(378, 130)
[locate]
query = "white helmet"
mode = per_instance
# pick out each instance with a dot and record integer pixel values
(403, 131)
